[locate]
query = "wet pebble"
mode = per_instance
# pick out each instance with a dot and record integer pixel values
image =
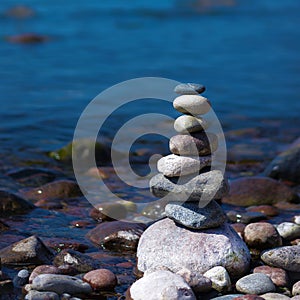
(191, 216)
(185, 124)
(117, 235)
(60, 284)
(287, 258)
(43, 269)
(175, 165)
(155, 210)
(28, 251)
(80, 262)
(21, 278)
(289, 230)
(245, 217)
(200, 143)
(220, 279)
(278, 276)
(108, 211)
(189, 89)
(267, 210)
(249, 191)
(262, 236)
(101, 279)
(35, 295)
(255, 284)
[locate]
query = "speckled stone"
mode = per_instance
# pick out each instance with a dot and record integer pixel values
(278, 276)
(220, 279)
(186, 123)
(296, 289)
(175, 165)
(189, 89)
(191, 216)
(200, 143)
(289, 230)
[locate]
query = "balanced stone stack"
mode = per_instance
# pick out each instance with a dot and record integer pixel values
(195, 236)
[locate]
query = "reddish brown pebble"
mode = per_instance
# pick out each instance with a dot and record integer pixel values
(249, 297)
(125, 265)
(27, 38)
(43, 269)
(101, 279)
(277, 275)
(80, 223)
(268, 210)
(262, 236)
(239, 228)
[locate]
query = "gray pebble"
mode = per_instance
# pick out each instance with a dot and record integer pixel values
(189, 89)
(35, 295)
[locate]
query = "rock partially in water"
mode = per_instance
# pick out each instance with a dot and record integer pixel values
(175, 247)
(161, 285)
(101, 279)
(27, 38)
(289, 230)
(80, 262)
(286, 166)
(60, 189)
(287, 258)
(278, 276)
(245, 217)
(250, 191)
(191, 216)
(209, 185)
(21, 278)
(20, 12)
(155, 210)
(60, 284)
(267, 210)
(174, 165)
(200, 143)
(117, 235)
(28, 251)
(108, 211)
(262, 236)
(43, 269)
(11, 203)
(255, 284)
(36, 295)
(185, 124)
(220, 279)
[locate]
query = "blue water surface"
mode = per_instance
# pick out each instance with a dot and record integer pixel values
(245, 52)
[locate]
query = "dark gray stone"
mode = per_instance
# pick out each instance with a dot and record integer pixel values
(207, 186)
(190, 215)
(189, 89)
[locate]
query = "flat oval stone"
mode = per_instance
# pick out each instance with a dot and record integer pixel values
(189, 89)
(257, 283)
(195, 144)
(192, 104)
(190, 215)
(207, 186)
(60, 284)
(175, 165)
(287, 258)
(289, 230)
(35, 295)
(185, 123)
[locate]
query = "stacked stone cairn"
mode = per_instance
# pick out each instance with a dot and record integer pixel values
(195, 239)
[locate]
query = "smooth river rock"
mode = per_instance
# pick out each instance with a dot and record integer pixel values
(220, 279)
(192, 104)
(278, 276)
(207, 186)
(161, 285)
(248, 191)
(174, 165)
(60, 284)
(190, 215)
(186, 123)
(36, 295)
(189, 89)
(289, 230)
(287, 258)
(101, 279)
(166, 244)
(257, 283)
(194, 144)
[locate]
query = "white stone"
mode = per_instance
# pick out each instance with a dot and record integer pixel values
(175, 165)
(161, 285)
(185, 123)
(289, 230)
(192, 104)
(220, 279)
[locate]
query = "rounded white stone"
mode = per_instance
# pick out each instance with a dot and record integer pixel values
(192, 104)
(186, 123)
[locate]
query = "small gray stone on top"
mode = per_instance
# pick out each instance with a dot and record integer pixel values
(190, 215)
(189, 89)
